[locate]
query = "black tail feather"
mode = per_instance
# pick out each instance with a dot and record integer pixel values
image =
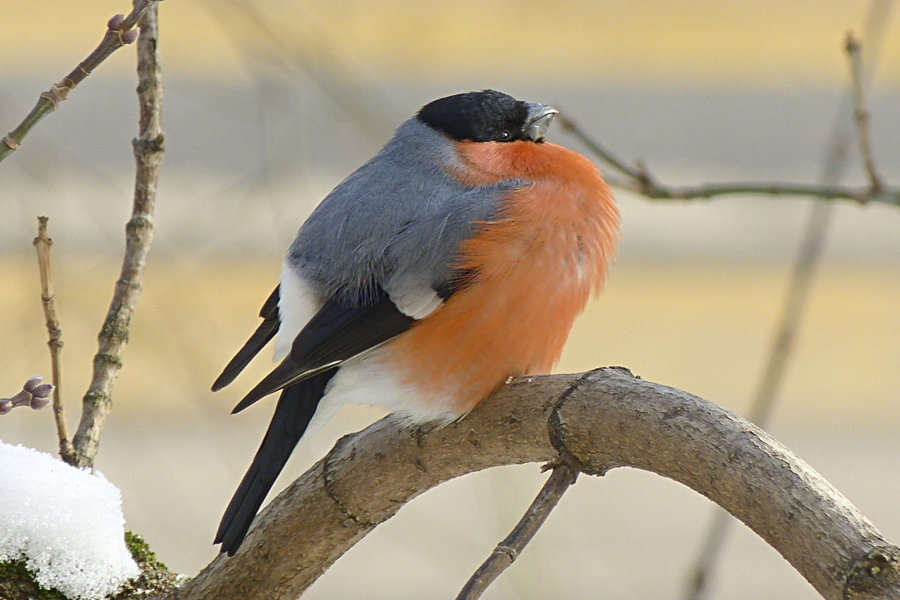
(295, 408)
(265, 332)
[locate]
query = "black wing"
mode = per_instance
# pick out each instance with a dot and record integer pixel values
(266, 330)
(338, 332)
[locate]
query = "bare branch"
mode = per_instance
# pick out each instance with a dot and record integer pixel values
(42, 244)
(563, 476)
(148, 152)
(632, 172)
(777, 362)
(604, 419)
(800, 286)
(638, 179)
(861, 113)
(33, 395)
(119, 33)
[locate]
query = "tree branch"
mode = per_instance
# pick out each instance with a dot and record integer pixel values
(861, 113)
(800, 285)
(638, 179)
(606, 418)
(42, 244)
(563, 476)
(33, 395)
(119, 33)
(148, 153)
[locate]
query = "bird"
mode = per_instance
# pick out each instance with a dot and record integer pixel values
(455, 259)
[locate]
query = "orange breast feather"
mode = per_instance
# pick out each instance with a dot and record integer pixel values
(536, 265)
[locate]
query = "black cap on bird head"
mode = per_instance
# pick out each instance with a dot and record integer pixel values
(488, 116)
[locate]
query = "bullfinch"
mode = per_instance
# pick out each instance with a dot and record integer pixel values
(454, 259)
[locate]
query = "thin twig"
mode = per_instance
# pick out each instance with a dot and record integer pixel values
(148, 152)
(799, 290)
(33, 395)
(119, 33)
(633, 173)
(507, 551)
(639, 180)
(861, 113)
(42, 244)
(861, 195)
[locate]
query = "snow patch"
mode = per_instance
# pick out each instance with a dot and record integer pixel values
(66, 523)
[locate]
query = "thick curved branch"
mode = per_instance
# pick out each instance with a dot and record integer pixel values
(808, 257)
(606, 418)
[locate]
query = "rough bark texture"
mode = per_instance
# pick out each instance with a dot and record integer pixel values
(604, 419)
(148, 154)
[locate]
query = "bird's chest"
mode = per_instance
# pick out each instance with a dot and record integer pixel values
(549, 234)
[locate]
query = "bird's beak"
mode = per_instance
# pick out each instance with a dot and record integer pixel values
(539, 118)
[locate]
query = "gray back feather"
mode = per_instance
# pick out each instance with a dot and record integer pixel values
(398, 218)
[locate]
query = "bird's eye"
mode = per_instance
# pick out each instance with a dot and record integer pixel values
(505, 135)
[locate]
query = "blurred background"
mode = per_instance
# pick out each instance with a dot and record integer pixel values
(270, 104)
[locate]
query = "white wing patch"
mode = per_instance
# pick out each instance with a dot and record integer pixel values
(412, 299)
(297, 304)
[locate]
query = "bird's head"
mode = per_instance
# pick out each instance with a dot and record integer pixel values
(488, 116)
